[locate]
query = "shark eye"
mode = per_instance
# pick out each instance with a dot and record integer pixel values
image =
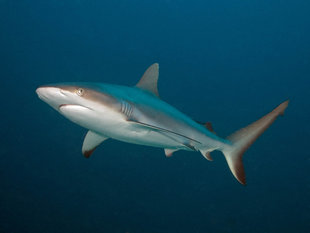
(80, 91)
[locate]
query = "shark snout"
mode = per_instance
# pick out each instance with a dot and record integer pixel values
(46, 92)
(53, 96)
(40, 91)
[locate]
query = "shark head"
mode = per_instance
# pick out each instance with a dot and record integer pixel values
(80, 103)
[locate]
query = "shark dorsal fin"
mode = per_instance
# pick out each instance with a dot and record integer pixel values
(149, 79)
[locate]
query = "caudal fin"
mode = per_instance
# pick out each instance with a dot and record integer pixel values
(244, 138)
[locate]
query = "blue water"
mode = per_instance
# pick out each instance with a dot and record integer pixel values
(224, 61)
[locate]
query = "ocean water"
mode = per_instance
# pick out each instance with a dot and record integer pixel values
(224, 61)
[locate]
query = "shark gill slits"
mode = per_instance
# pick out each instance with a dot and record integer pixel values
(126, 108)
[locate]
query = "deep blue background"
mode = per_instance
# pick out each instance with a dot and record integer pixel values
(224, 61)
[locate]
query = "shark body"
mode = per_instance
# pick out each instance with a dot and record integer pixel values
(137, 115)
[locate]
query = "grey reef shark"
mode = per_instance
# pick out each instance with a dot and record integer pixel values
(138, 115)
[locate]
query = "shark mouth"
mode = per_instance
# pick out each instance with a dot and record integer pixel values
(73, 106)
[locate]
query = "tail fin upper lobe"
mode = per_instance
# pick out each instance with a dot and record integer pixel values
(245, 137)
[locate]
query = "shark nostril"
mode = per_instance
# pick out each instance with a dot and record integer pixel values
(39, 90)
(62, 92)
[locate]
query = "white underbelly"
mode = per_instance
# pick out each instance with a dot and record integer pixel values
(114, 125)
(131, 133)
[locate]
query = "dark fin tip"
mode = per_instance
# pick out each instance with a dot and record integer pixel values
(208, 156)
(88, 153)
(209, 126)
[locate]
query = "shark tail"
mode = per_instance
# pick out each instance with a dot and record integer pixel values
(244, 138)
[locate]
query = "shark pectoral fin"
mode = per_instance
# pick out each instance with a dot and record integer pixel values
(149, 80)
(91, 141)
(169, 152)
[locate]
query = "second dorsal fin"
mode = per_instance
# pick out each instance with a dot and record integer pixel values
(149, 79)
(207, 125)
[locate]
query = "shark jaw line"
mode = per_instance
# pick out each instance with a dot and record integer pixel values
(73, 105)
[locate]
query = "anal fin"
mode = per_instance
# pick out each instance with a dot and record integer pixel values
(206, 154)
(91, 141)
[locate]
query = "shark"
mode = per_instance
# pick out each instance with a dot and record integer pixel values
(136, 114)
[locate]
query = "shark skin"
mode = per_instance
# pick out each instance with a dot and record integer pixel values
(137, 115)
